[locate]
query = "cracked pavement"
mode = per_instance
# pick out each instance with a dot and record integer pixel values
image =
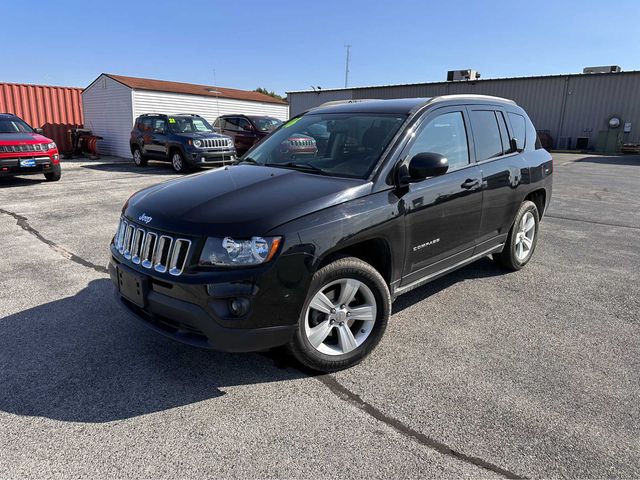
(481, 373)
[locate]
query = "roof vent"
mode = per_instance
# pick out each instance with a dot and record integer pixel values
(460, 75)
(607, 69)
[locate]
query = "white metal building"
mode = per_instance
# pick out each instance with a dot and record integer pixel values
(112, 102)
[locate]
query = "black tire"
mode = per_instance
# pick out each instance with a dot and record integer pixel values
(138, 158)
(178, 162)
(53, 176)
(342, 268)
(509, 257)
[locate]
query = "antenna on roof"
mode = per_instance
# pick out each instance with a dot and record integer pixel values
(346, 69)
(216, 92)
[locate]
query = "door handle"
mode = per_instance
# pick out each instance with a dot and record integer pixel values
(470, 183)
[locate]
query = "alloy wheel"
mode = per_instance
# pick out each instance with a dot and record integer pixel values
(340, 317)
(137, 157)
(525, 236)
(176, 160)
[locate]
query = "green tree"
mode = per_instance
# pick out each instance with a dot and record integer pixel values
(267, 92)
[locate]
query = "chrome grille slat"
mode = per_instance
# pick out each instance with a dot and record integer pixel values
(179, 256)
(148, 249)
(160, 258)
(215, 143)
(152, 250)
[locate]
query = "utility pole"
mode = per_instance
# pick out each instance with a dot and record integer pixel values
(346, 70)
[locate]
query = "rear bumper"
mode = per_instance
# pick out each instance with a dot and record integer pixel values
(42, 164)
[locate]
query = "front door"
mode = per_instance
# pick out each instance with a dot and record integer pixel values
(442, 214)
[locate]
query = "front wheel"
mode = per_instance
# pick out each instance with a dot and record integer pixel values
(344, 317)
(522, 239)
(178, 163)
(52, 176)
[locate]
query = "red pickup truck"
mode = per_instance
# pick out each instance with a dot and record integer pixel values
(25, 151)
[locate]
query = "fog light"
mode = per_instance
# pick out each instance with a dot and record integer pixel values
(203, 159)
(238, 306)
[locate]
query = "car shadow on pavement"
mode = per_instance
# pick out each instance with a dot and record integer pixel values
(615, 160)
(153, 168)
(82, 359)
(25, 181)
(483, 268)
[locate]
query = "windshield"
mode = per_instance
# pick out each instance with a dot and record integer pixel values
(14, 125)
(266, 124)
(344, 145)
(189, 125)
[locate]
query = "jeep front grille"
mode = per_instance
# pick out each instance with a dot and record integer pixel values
(216, 143)
(152, 250)
(33, 147)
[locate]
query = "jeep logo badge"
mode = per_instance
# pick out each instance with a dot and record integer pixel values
(144, 218)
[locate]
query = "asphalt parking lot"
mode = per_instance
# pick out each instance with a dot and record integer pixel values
(482, 373)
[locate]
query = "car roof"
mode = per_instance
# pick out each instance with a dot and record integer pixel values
(402, 105)
(8, 115)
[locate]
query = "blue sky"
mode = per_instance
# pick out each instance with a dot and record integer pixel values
(291, 45)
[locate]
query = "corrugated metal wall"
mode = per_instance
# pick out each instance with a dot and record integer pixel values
(564, 105)
(54, 109)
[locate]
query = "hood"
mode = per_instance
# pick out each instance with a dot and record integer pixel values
(22, 138)
(240, 200)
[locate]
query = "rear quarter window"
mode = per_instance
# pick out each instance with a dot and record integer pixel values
(519, 126)
(486, 134)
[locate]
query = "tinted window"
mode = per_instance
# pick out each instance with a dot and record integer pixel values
(231, 123)
(519, 129)
(159, 125)
(446, 135)
(146, 124)
(339, 144)
(486, 134)
(504, 133)
(266, 124)
(14, 125)
(244, 124)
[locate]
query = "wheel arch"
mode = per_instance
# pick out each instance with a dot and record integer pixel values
(374, 251)
(539, 197)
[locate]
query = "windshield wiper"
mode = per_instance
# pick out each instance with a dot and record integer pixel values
(246, 160)
(299, 166)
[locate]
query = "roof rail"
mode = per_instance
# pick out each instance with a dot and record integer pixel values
(149, 114)
(353, 100)
(187, 114)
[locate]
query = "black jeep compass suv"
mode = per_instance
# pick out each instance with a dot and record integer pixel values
(310, 253)
(185, 140)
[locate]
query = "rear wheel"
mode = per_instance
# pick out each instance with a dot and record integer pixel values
(522, 239)
(178, 163)
(53, 176)
(138, 158)
(344, 317)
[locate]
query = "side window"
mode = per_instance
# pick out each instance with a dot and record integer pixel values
(146, 124)
(159, 125)
(446, 135)
(486, 134)
(519, 129)
(231, 123)
(504, 133)
(244, 124)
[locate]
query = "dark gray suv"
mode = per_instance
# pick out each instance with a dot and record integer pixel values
(188, 141)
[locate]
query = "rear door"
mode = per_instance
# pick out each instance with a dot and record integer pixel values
(503, 171)
(146, 135)
(442, 214)
(159, 144)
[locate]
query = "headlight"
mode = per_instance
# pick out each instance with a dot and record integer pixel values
(197, 143)
(229, 252)
(51, 146)
(229, 142)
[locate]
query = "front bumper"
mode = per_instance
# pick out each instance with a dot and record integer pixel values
(197, 313)
(212, 157)
(42, 163)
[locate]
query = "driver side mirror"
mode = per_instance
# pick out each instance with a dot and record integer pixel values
(39, 131)
(424, 165)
